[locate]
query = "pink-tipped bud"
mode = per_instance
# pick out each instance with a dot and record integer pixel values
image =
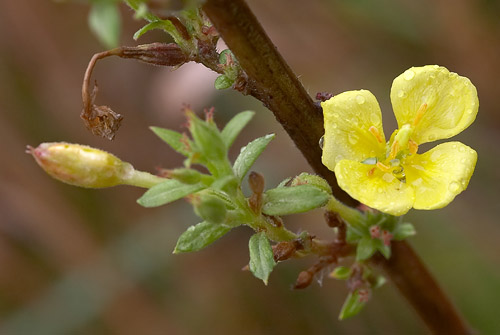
(81, 165)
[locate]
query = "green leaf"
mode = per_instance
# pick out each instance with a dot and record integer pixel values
(384, 249)
(352, 305)
(222, 82)
(140, 8)
(210, 208)
(199, 236)
(104, 21)
(165, 25)
(291, 200)
(223, 56)
(249, 155)
(172, 138)
(235, 126)
(341, 273)
(366, 248)
(403, 230)
(261, 256)
(285, 182)
(166, 192)
(314, 180)
(208, 139)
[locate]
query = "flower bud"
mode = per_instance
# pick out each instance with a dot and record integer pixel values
(210, 208)
(81, 165)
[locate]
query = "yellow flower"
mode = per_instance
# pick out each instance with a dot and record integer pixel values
(430, 103)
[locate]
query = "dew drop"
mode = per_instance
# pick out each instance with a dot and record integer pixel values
(336, 115)
(338, 158)
(432, 137)
(408, 74)
(435, 155)
(353, 138)
(374, 119)
(380, 190)
(453, 187)
(461, 149)
(417, 182)
(334, 125)
(388, 177)
(321, 142)
(454, 146)
(360, 99)
(401, 94)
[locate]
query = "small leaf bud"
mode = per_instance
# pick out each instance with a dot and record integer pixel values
(210, 208)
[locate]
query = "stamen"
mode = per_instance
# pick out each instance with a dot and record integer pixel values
(376, 133)
(413, 146)
(420, 113)
(384, 167)
(394, 150)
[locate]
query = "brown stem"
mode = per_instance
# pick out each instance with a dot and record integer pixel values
(416, 283)
(279, 90)
(282, 93)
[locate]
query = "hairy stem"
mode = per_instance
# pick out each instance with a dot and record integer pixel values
(278, 88)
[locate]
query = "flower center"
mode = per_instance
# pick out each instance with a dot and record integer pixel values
(399, 148)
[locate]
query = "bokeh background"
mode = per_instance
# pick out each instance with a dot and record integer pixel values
(78, 261)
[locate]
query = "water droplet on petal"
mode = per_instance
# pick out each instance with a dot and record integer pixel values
(353, 138)
(360, 99)
(432, 137)
(334, 125)
(388, 177)
(435, 155)
(339, 158)
(321, 142)
(417, 182)
(408, 74)
(374, 119)
(380, 190)
(453, 187)
(335, 115)
(461, 149)
(401, 94)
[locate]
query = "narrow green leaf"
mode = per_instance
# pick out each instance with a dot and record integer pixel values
(104, 21)
(222, 82)
(165, 25)
(352, 305)
(208, 139)
(235, 126)
(341, 273)
(172, 138)
(261, 256)
(166, 192)
(403, 230)
(291, 200)
(199, 236)
(249, 155)
(366, 248)
(385, 250)
(140, 7)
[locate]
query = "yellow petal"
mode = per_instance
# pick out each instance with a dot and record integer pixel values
(440, 174)
(348, 118)
(451, 100)
(380, 190)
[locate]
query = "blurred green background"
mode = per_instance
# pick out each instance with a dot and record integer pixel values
(77, 261)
